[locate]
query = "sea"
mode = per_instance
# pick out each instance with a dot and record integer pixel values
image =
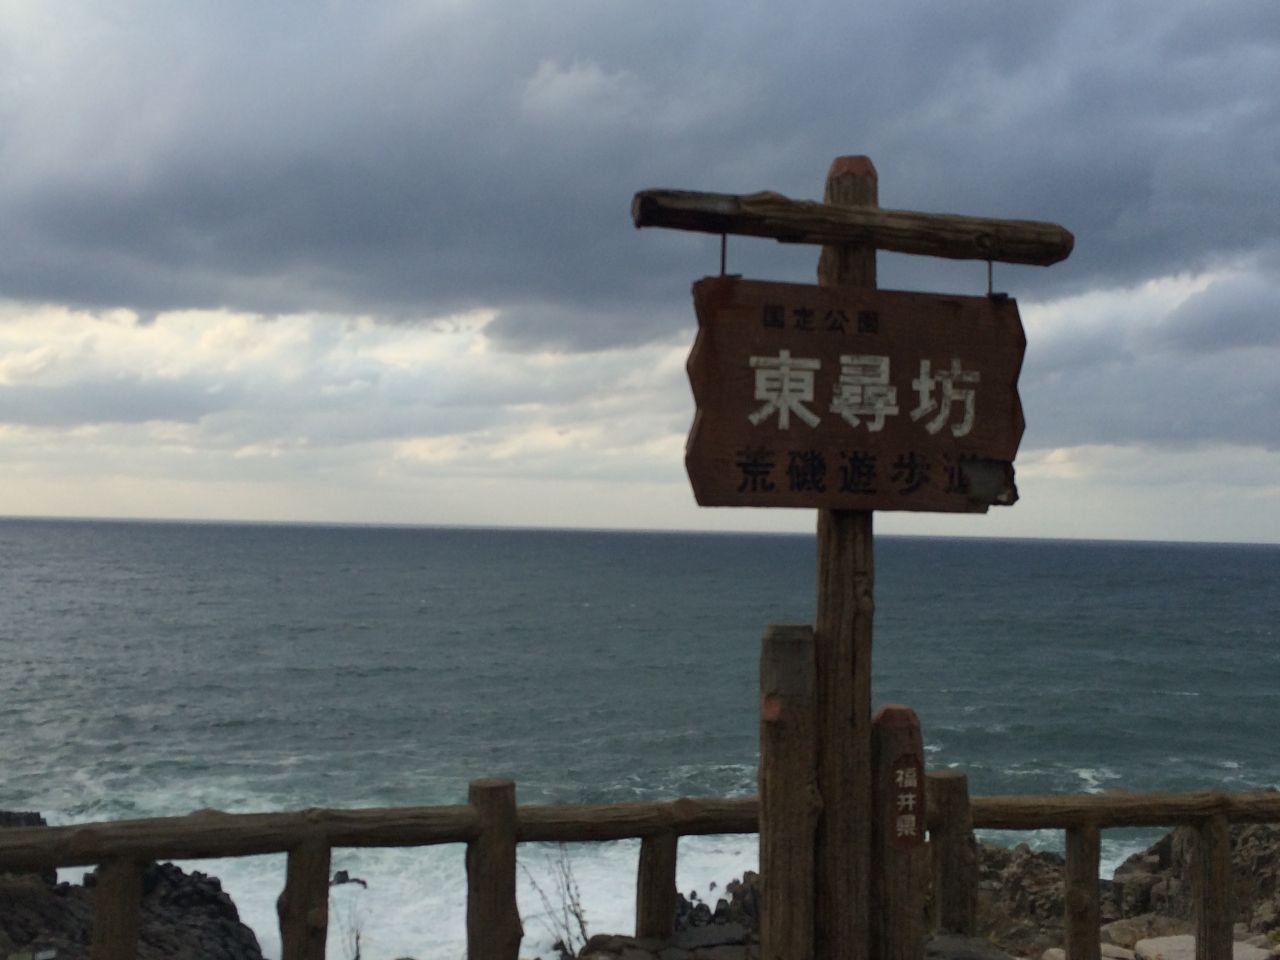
(153, 669)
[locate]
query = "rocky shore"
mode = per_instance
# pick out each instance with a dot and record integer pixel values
(1146, 908)
(1146, 911)
(184, 915)
(1020, 893)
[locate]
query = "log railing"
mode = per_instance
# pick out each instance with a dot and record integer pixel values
(1083, 817)
(491, 825)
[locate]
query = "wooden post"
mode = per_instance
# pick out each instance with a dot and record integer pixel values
(789, 800)
(842, 654)
(1081, 907)
(955, 852)
(117, 910)
(656, 886)
(897, 831)
(303, 907)
(1211, 879)
(493, 919)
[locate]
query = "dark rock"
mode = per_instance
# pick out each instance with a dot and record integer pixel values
(742, 907)
(950, 946)
(184, 915)
(606, 943)
(715, 935)
(28, 818)
(342, 877)
(1158, 880)
(1020, 899)
(20, 818)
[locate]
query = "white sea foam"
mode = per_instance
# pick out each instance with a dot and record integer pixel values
(415, 902)
(1094, 777)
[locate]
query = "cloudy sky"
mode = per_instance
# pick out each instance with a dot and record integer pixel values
(373, 262)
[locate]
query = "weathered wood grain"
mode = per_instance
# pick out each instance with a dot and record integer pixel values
(493, 919)
(303, 906)
(955, 853)
(842, 654)
(772, 215)
(1081, 905)
(789, 800)
(897, 834)
(1119, 809)
(616, 821)
(213, 834)
(1212, 890)
(209, 833)
(656, 896)
(117, 910)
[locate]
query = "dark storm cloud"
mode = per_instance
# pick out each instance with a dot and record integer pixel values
(408, 159)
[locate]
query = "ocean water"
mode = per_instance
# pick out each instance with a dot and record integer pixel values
(154, 669)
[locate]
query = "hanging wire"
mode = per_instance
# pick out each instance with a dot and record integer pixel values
(724, 243)
(989, 287)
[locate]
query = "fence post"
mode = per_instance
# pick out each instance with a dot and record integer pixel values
(789, 801)
(117, 910)
(1082, 912)
(955, 853)
(1211, 877)
(303, 907)
(493, 919)
(842, 652)
(897, 834)
(656, 886)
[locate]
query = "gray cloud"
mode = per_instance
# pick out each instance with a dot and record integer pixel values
(1243, 312)
(1229, 397)
(1204, 371)
(97, 400)
(408, 159)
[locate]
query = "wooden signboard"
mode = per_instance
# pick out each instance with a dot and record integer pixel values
(853, 398)
(905, 815)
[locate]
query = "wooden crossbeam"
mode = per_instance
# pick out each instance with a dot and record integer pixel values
(772, 215)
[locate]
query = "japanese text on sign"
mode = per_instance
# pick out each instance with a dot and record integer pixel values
(786, 384)
(851, 398)
(906, 810)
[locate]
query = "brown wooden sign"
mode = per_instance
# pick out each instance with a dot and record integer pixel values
(852, 398)
(905, 828)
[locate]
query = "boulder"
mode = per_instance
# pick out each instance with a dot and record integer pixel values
(1127, 931)
(1112, 952)
(951, 946)
(706, 946)
(1184, 948)
(715, 935)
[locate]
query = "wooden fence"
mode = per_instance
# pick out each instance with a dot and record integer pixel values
(491, 824)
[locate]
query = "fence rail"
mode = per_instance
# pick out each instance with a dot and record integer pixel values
(211, 833)
(491, 825)
(1123, 809)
